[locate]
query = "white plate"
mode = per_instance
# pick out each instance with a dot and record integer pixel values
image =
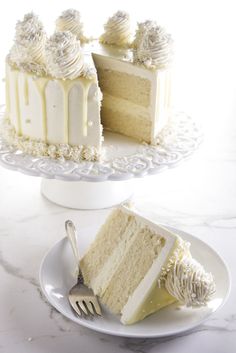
(57, 277)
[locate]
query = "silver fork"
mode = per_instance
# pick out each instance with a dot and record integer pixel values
(81, 298)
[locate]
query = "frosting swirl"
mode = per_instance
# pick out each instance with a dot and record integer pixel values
(64, 56)
(152, 46)
(188, 282)
(117, 30)
(30, 39)
(141, 30)
(70, 20)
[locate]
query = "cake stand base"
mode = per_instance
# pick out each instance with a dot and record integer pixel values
(87, 195)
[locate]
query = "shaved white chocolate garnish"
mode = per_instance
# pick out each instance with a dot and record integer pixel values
(117, 30)
(88, 72)
(141, 30)
(188, 282)
(70, 20)
(29, 43)
(64, 56)
(152, 46)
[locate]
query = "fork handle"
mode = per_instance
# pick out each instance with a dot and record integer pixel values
(72, 236)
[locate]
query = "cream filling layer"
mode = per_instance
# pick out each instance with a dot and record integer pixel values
(126, 107)
(100, 283)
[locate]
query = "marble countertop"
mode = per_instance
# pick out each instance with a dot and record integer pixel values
(199, 197)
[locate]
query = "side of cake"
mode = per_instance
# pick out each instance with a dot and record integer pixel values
(131, 266)
(54, 105)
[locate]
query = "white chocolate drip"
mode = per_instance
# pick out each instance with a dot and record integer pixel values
(64, 56)
(18, 87)
(188, 282)
(70, 20)
(117, 30)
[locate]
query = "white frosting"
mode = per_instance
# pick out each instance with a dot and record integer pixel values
(117, 30)
(141, 30)
(188, 282)
(142, 290)
(64, 56)
(28, 49)
(70, 20)
(39, 148)
(152, 46)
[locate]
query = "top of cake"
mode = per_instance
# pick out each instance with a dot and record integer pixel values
(66, 54)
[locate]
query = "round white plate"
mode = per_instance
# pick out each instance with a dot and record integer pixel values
(57, 277)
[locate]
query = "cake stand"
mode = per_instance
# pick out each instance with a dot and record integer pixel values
(94, 185)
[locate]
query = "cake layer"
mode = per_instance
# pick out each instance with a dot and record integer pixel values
(121, 256)
(54, 111)
(119, 84)
(126, 124)
(139, 251)
(109, 236)
(125, 107)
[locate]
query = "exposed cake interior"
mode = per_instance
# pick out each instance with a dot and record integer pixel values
(137, 267)
(124, 245)
(136, 101)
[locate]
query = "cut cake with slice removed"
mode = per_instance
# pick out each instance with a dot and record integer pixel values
(54, 86)
(136, 100)
(133, 261)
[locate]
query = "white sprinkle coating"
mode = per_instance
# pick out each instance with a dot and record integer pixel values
(64, 56)
(152, 46)
(117, 30)
(29, 43)
(70, 20)
(188, 282)
(38, 148)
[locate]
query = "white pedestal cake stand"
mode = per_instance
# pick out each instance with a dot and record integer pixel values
(94, 185)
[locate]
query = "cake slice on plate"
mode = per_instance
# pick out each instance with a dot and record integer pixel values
(137, 267)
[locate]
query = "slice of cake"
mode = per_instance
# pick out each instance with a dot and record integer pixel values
(137, 267)
(53, 95)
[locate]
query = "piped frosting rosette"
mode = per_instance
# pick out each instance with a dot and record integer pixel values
(29, 44)
(186, 280)
(153, 47)
(64, 56)
(117, 30)
(70, 20)
(143, 27)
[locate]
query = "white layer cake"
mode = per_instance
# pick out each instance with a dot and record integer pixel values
(53, 101)
(126, 264)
